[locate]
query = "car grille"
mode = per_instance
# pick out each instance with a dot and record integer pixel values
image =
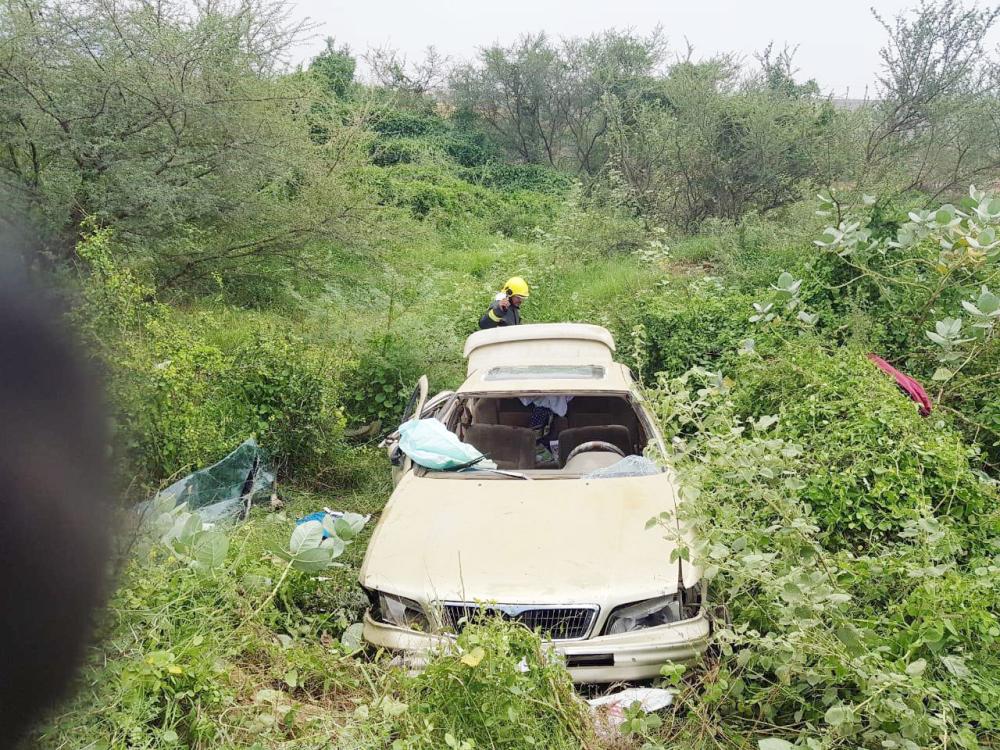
(560, 623)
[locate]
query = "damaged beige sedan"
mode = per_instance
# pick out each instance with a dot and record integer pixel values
(552, 534)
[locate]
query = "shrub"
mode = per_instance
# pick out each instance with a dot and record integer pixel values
(889, 645)
(874, 462)
(502, 176)
(185, 398)
(702, 325)
(284, 392)
(497, 689)
(378, 384)
(407, 124)
(186, 402)
(388, 151)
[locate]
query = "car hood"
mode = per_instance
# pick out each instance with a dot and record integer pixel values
(517, 542)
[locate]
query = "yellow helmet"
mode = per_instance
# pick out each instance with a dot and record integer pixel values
(516, 286)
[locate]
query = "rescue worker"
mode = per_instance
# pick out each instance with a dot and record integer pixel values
(505, 310)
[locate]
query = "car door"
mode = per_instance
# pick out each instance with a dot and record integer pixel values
(419, 406)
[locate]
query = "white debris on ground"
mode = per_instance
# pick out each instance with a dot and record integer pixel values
(609, 710)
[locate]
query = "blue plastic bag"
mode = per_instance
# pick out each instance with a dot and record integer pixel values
(428, 443)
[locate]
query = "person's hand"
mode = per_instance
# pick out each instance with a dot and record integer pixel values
(503, 303)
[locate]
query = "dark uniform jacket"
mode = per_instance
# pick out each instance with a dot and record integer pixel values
(496, 316)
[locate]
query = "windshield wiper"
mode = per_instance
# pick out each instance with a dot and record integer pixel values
(502, 472)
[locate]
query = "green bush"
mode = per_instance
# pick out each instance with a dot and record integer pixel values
(702, 325)
(378, 384)
(891, 643)
(520, 213)
(876, 462)
(185, 396)
(499, 689)
(186, 402)
(388, 151)
(467, 149)
(403, 123)
(499, 175)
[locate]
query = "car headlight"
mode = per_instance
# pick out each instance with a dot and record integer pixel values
(650, 613)
(398, 610)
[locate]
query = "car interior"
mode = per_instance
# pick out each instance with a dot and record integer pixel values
(596, 432)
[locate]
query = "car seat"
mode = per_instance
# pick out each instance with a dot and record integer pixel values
(510, 447)
(616, 434)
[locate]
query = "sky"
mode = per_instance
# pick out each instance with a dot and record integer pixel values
(837, 42)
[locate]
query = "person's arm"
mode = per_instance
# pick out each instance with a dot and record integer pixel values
(493, 317)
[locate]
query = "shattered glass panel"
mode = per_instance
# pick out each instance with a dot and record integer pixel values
(224, 490)
(545, 372)
(630, 466)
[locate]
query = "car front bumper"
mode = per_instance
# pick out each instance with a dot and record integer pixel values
(607, 658)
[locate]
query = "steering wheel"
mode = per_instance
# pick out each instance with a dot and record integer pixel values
(593, 445)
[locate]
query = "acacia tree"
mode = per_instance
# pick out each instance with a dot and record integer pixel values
(410, 79)
(936, 120)
(335, 66)
(544, 101)
(714, 141)
(172, 123)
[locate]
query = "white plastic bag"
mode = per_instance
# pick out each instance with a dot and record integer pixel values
(429, 444)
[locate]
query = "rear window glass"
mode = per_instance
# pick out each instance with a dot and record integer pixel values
(543, 372)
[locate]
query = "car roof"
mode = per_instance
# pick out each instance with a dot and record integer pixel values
(539, 344)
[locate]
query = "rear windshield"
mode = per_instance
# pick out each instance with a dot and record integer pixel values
(545, 372)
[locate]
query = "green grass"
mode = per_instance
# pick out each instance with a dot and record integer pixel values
(207, 661)
(204, 661)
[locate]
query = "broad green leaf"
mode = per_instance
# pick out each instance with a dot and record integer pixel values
(352, 637)
(312, 560)
(305, 536)
(972, 309)
(839, 715)
(334, 544)
(849, 636)
(956, 665)
(949, 327)
(988, 302)
(774, 743)
(473, 657)
(209, 549)
(916, 667)
(344, 529)
(765, 422)
(185, 527)
(392, 707)
(942, 374)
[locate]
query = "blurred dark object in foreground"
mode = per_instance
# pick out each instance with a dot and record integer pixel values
(54, 522)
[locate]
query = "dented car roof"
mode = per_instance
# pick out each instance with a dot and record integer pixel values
(544, 358)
